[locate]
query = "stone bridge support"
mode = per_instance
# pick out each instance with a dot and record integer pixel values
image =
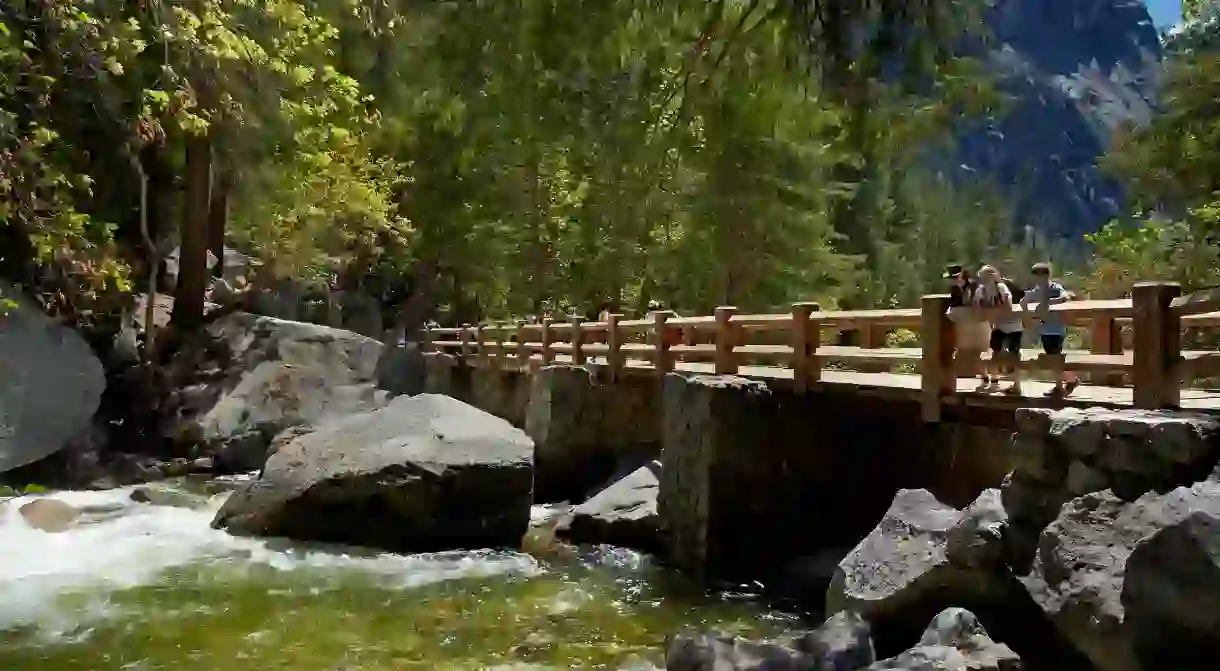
(585, 430)
(755, 477)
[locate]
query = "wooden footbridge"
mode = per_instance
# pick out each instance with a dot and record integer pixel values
(1135, 356)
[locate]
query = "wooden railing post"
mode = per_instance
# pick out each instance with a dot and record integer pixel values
(1106, 338)
(464, 338)
(661, 358)
(425, 342)
(523, 353)
(805, 334)
(872, 336)
(547, 355)
(937, 366)
(614, 343)
(501, 338)
(1157, 345)
(726, 364)
(578, 340)
(480, 340)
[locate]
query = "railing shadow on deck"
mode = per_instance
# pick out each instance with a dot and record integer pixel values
(1154, 369)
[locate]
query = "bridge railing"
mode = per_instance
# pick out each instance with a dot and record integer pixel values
(792, 345)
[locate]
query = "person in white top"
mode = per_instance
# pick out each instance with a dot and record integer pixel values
(1007, 329)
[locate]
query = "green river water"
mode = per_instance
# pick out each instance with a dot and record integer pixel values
(143, 587)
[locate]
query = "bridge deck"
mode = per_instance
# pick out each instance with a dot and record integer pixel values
(909, 385)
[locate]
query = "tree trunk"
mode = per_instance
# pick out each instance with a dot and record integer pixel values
(218, 219)
(193, 255)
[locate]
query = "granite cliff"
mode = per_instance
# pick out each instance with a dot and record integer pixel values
(1075, 70)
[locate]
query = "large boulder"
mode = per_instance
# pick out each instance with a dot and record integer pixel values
(625, 513)
(1059, 455)
(1135, 585)
(954, 641)
(272, 375)
(424, 473)
(50, 383)
(923, 552)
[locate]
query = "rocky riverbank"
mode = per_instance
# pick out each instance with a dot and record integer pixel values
(1098, 551)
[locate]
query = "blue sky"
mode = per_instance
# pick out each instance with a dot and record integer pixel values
(1165, 12)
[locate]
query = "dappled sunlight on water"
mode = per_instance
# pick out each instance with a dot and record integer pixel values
(153, 587)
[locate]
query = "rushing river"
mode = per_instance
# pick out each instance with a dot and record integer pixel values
(150, 586)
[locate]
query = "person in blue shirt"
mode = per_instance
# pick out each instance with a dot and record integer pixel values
(1047, 292)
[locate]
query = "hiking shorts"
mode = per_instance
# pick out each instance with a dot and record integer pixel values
(1052, 344)
(1002, 341)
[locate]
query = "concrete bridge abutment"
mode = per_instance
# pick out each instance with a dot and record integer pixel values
(752, 477)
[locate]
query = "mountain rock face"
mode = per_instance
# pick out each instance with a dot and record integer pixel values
(1075, 72)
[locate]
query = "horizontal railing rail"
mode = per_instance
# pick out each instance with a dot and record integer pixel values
(1154, 316)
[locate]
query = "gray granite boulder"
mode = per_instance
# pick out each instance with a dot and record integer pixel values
(424, 473)
(50, 383)
(1059, 455)
(954, 641)
(1135, 585)
(278, 374)
(625, 513)
(923, 551)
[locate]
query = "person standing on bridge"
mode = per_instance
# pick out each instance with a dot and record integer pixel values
(1007, 329)
(1052, 329)
(970, 330)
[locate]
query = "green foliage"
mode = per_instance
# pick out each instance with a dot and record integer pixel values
(506, 158)
(1179, 251)
(1171, 165)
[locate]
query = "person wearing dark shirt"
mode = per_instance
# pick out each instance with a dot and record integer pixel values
(971, 334)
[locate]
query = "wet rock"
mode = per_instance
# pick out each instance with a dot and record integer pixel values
(954, 641)
(625, 513)
(1059, 455)
(52, 383)
(542, 538)
(923, 551)
(49, 514)
(1134, 584)
(844, 642)
(719, 652)
(425, 473)
(203, 465)
(176, 468)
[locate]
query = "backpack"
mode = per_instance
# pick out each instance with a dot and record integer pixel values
(1015, 289)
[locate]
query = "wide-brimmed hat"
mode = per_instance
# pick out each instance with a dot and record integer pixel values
(952, 270)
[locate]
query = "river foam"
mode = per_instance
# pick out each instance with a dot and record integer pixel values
(56, 583)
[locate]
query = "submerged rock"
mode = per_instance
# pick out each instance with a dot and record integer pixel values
(50, 382)
(424, 473)
(1135, 585)
(625, 513)
(842, 643)
(49, 514)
